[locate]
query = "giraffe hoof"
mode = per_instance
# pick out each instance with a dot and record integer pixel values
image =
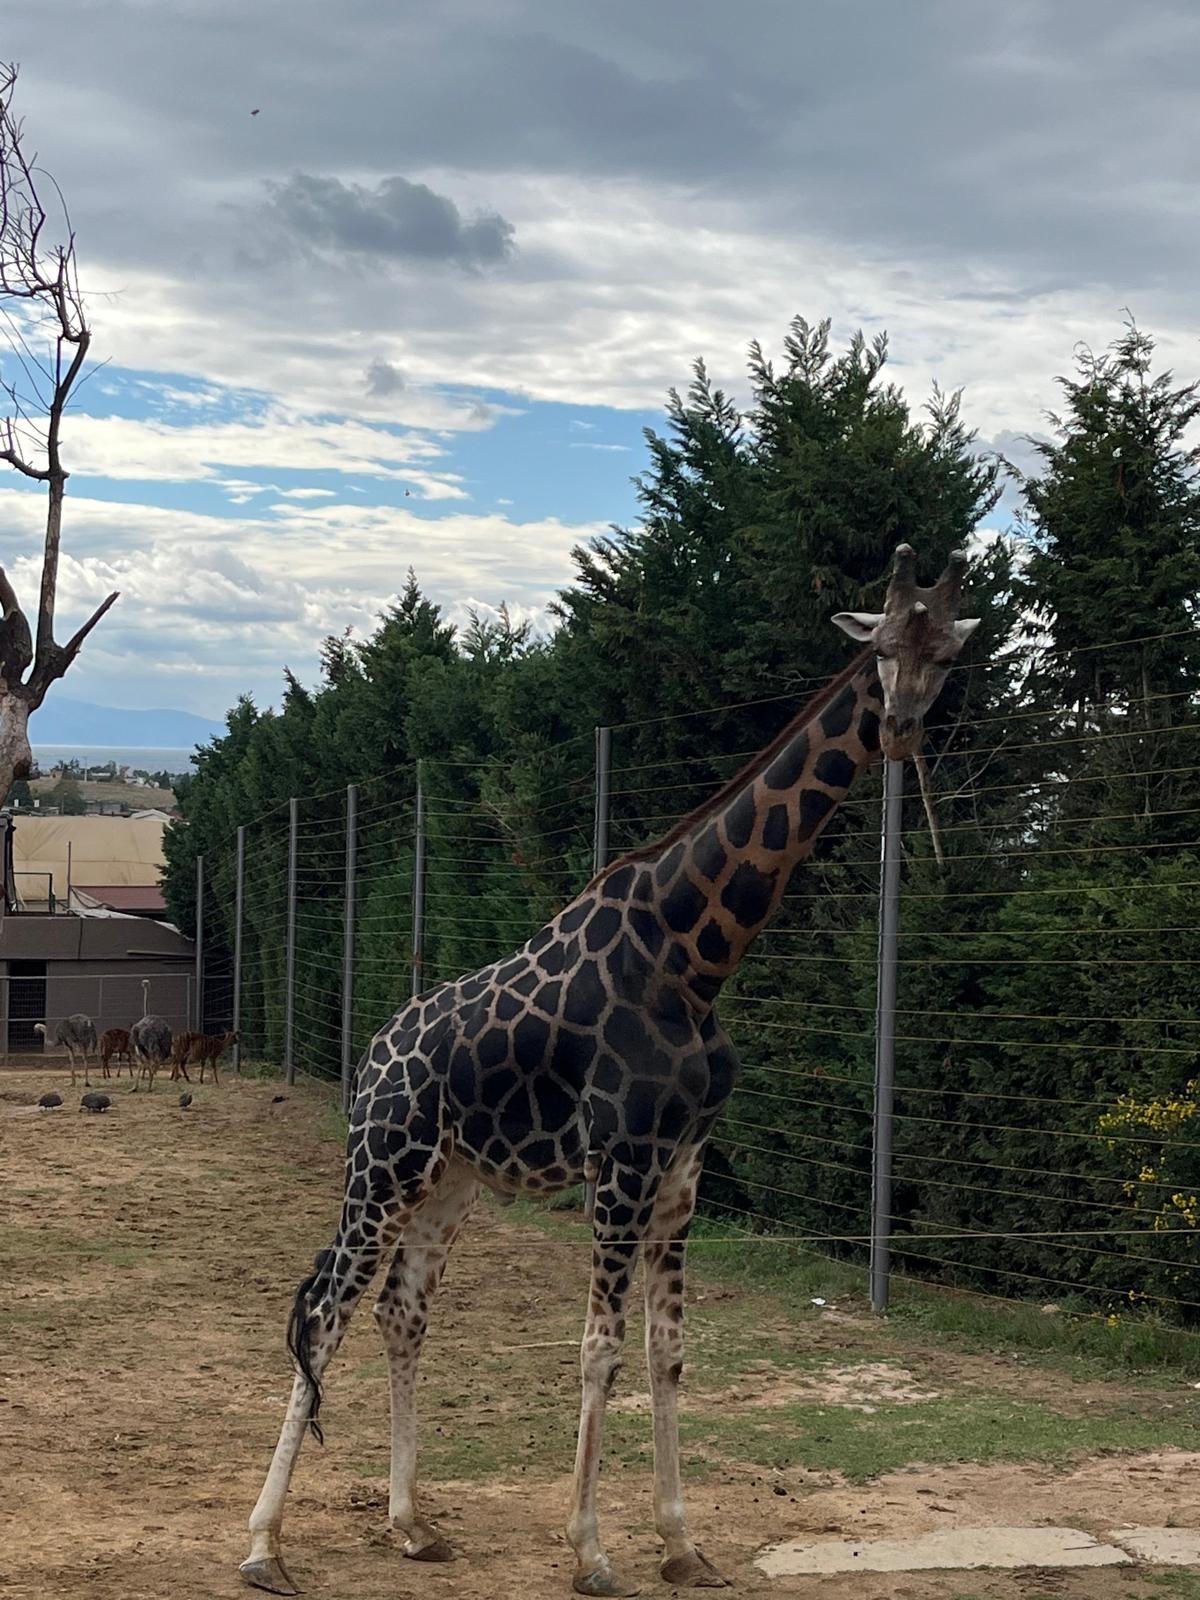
(435, 1550)
(692, 1571)
(268, 1573)
(603, 1581)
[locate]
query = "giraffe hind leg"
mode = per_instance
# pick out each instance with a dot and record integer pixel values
(383, 1192)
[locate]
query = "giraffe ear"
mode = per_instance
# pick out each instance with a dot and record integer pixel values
(965, 628)
(860, 625)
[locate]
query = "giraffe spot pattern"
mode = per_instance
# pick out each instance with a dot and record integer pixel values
(814, 808)
(595, 1044)
(835, 768)
(775, 829)
(788, 766)
(748, 894)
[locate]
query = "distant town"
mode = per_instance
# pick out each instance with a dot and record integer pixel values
(71, 788)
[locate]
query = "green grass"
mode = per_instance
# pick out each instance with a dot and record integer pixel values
(266, 1071)
(332, 1125)
(1179, 1585)
(29, 1248)
(976, 1425)
(1137, 1345)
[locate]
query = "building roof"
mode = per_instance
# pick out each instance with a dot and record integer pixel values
(105, 938)
(119, 852)
(136, 897)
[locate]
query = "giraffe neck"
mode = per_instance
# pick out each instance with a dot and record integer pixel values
(716, 882)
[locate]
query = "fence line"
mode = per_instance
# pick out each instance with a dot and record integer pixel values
(406, 880)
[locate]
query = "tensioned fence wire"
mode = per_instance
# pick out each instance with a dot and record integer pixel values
(1024, 1163)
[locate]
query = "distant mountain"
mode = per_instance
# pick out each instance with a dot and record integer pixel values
(63, 721)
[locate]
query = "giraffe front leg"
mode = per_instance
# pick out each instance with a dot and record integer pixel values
(618, 1225)
(402, 1314)
(666, 1249)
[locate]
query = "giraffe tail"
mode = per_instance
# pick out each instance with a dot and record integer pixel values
(299, 1335)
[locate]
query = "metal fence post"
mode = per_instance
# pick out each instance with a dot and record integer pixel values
(239, 906)
(885, 1035)
(418, 906)
(599, 862)
(603, 782)
(348, 943)
(199, 1025)
(289, 982)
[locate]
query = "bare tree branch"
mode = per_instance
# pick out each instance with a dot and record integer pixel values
(74, 644)
(61, 655)
(930, 817)
(14, 460)
(39, 294)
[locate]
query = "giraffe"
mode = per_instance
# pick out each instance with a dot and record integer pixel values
(594, 1052)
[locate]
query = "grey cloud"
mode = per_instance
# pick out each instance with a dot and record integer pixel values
(395, 219)
(384, 378)
(1054, 141)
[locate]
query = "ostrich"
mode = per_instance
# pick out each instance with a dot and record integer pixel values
(77, 1035)
(150, 1040)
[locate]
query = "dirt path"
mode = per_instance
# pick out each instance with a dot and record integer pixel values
(152, 1255)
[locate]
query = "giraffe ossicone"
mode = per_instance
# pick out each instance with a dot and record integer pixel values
(594, 1050)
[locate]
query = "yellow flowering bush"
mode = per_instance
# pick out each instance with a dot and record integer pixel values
(1157, 1141)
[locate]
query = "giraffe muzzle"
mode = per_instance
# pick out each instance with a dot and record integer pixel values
(900, 736)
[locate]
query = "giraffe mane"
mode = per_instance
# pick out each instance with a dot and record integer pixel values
(757, 763)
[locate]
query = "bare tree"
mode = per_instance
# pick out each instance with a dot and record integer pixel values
(47, 330)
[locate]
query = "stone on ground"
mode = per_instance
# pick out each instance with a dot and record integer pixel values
(960, 1549)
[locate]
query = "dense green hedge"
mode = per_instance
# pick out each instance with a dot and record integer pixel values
(1046, 1069)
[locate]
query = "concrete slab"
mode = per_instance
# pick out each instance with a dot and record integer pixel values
(960, 1549)
(1160, 1547)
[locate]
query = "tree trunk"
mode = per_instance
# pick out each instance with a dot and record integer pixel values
(16, 758)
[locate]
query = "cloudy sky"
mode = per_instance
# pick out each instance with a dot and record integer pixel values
(418, 309)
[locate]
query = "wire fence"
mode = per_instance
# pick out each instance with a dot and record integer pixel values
(1035, 1132)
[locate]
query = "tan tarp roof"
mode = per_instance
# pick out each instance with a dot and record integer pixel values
(108, 850)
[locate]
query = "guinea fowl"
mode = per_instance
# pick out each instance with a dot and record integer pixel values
(95, 1102)
(185, 1101)
(48, 1102)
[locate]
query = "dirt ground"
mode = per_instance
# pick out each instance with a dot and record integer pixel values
(150, 1255)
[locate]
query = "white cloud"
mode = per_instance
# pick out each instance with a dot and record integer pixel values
(212, 607)
(148, 449)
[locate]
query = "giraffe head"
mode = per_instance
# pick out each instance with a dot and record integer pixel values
(917, 638)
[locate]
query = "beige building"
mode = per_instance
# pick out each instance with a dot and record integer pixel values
(79, 931)
(53, 856)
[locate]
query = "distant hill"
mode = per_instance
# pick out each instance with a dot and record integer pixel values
(63, 721)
